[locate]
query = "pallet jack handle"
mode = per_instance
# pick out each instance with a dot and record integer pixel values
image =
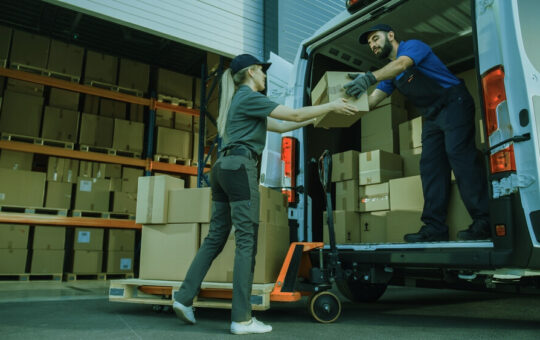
(325, 175)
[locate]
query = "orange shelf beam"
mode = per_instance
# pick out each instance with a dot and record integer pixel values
(175, 108)
(37, 219)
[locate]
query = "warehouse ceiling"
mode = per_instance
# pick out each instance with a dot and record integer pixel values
(63, 24)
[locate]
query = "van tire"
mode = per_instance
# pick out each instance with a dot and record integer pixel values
(361, 292)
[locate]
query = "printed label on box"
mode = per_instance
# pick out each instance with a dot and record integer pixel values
(125, 264)
(84, 237)
(2, 196)
(86, 186)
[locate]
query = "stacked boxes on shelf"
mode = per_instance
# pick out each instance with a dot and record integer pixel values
(62, 173)
(13, 248)
(48, 250)
(120, 251)
(87, 251)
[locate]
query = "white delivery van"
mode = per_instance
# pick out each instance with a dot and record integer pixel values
(498, 41)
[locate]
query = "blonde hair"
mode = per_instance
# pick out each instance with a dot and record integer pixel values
(228, 86)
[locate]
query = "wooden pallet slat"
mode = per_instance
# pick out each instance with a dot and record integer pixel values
(75, 276)
(109, 151)
(45, 72)
(37, 140)
(89, 213)
(172, 160)
(27, 277)
(175, 101)
(33, 210)
(114, 88)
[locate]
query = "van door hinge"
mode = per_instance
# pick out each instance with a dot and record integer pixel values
(483, 5)
(510, 184)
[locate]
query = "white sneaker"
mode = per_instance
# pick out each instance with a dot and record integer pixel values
(250, 327)
(184, 313)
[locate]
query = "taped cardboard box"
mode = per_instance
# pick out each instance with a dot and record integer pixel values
(134, 74)
(25, 87)
(87, 262)
(15, 160)
(410, 134)
(22, 188)
(386, 140)
(88, 238)
(29, 49)
(64, 99)
(381, 119)
(374, 197)
(330, 88)
(153, 198)
(171, 142)
(49, 238)
(65, 58)
(119, 262)
(406, 194)
(58, 195)
(347, 195)
(345, 166)
(13, 261)
(63, 169)
(128, 136)
(167, 250)
(125, 202)
(60, 124)
(346, 227)
(121, 240)
(411, 161)
(130, 179)
(5, 42)
(47, 261)
(273, 206)
(100, 67)
(96, 130)
(174, 84)
(379, 166)
(92, 195)
(21, 114)
(373, 227)
(112, 108)
(14, 236)
(401, 222)
(189, 205)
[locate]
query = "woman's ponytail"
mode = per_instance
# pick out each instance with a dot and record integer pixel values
(227, 93)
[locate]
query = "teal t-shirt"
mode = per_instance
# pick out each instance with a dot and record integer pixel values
(246, 121)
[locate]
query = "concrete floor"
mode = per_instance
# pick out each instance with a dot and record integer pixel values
(80, 310)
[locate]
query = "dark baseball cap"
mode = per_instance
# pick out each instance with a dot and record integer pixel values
(379, 27)
(245, 60)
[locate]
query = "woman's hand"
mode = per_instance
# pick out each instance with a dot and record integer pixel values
(340, 106)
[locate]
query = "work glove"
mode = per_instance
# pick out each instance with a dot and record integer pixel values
(360, 83)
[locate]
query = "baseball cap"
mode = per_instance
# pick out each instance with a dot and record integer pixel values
(379, 27)
(244, 60)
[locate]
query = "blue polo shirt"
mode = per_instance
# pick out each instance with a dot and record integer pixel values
(426, 61)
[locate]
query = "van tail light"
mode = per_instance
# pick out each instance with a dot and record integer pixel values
(494, 94)
(288, 156)
(503, 160)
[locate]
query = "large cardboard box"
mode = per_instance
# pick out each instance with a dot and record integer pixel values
(15, 160)
(410, 134)
(183, 122)
(121, 240)
(14, 236)
(21, 114)
(373, 227)
(189, 205)
(401, 222)
(174, 84)
(130, 179)
(29, 49)
(273, 206)
(91, 104)
(112, 108)
(382, 119)
(63, 169)
(25, 87)
(385, 140)
(347, 195)
(60, 124)
(458, 217)
(124, 202)
(406, 194)
(128, 135)
(171, 142)
(134, 74)
(346, 227)
(58, 195)
(106, 170)
(411, 161)
(64, 99)
(5, 42)
(136, 113)
(165, 118)
(374, 197)
(87, 261)
(379, 166)
(167, 250)
(330, 88)
(345, 166)
(92, 194)
(13, 261)
(153, 198)
(100, 67)
(47, 261)
(22, 188)
(96, 130)
(120, 262)
(88, 238)
(65, 58)
(49, 238)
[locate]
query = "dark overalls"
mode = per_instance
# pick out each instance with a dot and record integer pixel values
(448, 143)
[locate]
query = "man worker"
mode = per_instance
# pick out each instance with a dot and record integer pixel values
(448, 141)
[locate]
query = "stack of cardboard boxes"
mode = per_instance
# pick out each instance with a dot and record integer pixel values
(48, 250)
(62, 173)
(19, 186)
(13, 248)
(87, 255)
(120, 251)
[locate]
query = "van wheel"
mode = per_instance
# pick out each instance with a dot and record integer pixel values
(360, 291)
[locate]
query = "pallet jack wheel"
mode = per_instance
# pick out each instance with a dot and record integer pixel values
(324, 307)
(157, 308)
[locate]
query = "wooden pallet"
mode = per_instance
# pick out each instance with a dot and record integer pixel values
(37, 140)
(33, 210)
(109, 151)
(44, 72)
(175, 101)
(103, 214)
(212, 294)
(31, 277)
(172, 160)
(75, 277)
(114, 88)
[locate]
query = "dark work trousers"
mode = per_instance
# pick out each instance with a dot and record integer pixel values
(448, 143)
(235, 199)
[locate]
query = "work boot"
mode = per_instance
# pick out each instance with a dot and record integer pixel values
(184, 313)
(426, 234)
(479, 230)
(252, 326)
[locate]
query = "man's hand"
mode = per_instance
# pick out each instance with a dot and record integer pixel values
(360, 84)
(340, 106)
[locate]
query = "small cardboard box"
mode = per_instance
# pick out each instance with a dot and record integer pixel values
(410, 134)
(379, 166)
(401, 222)
(49, 238)
(60, 124)
(112, 108)
(21, 113)
(13, 261)
(330, 88)
(125, 202)
(373, 227)
(411, 161)
(65, 58)
(128, 135)
(406, 194)
(87, 262)
(64, 99)
(119, 262)
(346, 227)
(385, 118)
(345, 166)
(14, 236)
(22, 188)
(347, 195)
(273, 206)
(121, 240)
(92, 194)
(386, 140)
(100, 67)
(58, 195)
(189, 205)
(96, 130)
(29, 49)
(134, 74)
(15, 160)
(174, 84)
(171, 142)
(86, 170)
(47, 261)
(88, 239)
(153, 198)
(374, 197)
(130, 179)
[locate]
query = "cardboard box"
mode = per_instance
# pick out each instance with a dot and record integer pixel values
(87, 262)
(60, 124)
(64, 99)
(134, 74)
(65, 58)
(100, 67)
(47, 261)
(383, 119)
(13, 261)
(88, 239)
(411, 161)
(165, 118)
(374, 197)
(346, 227)
(21, 86)
(406, 194)
(63, 169)
(21, 114)
(112, 108)
(96, 130)
(49, 238)
(136, 113)
(124, 202)
(385, 140)
(15, 160)
(121, 240)
(86, 170)
(130, 179)
(128, 136)
(167, 250)
(5, 42)
(22, 188)
(273, 206)
(347, 195)
(91, 104)
(379, 166)
(58, 195)
(29, 49)
(174, 84)
(14, 236)
(189, 205)
(120, 262)
(116, 184)
(153, 198)
(410, 134)
(171, 142)
(458, 217)
(396, 99)
(373, 227)
(106, 170)
(345, 166)
(183, 122)
(399, 223)
(92, 194)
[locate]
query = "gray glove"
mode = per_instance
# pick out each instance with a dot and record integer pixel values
(360, 83)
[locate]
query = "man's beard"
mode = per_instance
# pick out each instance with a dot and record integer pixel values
(385, 50)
